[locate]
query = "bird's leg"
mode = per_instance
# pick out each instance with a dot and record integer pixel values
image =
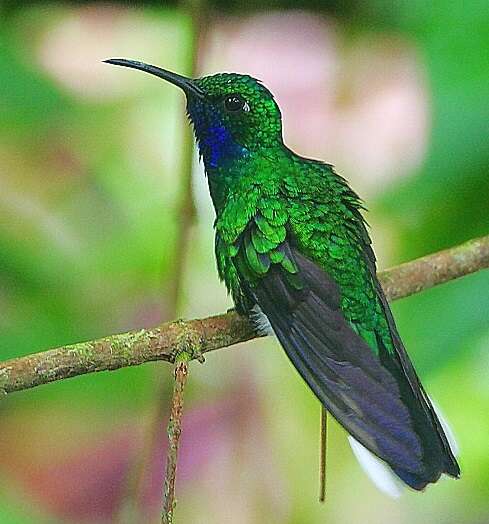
(322, 454)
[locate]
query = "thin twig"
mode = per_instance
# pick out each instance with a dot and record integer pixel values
(174, 432)
(186, 216)
(322, 453)
(161, 343)
(187, 213)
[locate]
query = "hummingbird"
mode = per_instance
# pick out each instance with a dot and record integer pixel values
(294, 252)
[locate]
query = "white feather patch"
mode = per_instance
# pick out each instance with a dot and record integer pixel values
(377, 470)
(260, 322)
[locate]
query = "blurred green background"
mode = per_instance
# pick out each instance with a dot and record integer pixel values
(95, 210)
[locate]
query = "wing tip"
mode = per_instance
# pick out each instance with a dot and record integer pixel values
(388, 479)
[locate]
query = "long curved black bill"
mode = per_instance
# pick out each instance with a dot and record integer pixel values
(187, 84)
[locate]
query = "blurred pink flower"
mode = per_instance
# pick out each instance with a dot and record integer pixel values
(92, 483)
(73, 48)
(360, 104)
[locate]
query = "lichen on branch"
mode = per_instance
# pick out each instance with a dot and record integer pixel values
(162, 342)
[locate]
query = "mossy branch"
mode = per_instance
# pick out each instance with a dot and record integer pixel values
(161, 343)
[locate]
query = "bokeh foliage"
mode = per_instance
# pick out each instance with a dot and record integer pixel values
(88, 224)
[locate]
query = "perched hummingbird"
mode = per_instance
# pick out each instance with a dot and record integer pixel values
(293, 250)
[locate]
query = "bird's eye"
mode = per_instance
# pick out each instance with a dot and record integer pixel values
(235, 103)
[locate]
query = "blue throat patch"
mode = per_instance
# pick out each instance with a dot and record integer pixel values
(218, 147)
(214, 140)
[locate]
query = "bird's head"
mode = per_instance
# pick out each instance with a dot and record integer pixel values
(232, 114)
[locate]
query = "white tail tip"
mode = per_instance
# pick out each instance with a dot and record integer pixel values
(377, 470)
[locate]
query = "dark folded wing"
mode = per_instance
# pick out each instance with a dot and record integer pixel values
(303, 307)
(438, 456)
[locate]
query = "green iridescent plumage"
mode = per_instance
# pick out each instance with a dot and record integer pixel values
(292, 247)
(320, 212)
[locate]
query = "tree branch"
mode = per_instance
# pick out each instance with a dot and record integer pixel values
(162, 343)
